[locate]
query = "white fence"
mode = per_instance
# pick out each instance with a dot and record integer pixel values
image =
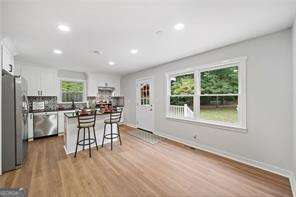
(181, 111)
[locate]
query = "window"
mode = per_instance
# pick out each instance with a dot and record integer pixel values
(72, 90)
(219, 94)
(182, 95)
(213, 94)
(145, 94)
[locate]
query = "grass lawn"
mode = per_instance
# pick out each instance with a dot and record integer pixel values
(219, 114)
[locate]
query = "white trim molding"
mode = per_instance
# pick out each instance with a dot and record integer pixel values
(130, 125)
(84, 99)
(238, 158)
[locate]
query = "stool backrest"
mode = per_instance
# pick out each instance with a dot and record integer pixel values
(115, 116)
(87, 119)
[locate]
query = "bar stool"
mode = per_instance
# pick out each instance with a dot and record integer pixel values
(115, 117)
(86, 121)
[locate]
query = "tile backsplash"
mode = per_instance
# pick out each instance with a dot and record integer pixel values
(50, 102)
(69, 105)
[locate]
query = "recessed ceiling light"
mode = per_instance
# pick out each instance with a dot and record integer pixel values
(97, 52)
(111, 63)
(56, 51)
(64, 28)
(159, 32)
(134, 51)
(179, 26)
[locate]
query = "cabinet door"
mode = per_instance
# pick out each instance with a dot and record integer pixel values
(48, 82)
(8, 59)
(32, 75)
(30, 126)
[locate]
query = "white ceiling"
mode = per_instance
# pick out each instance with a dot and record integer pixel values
(116, 26)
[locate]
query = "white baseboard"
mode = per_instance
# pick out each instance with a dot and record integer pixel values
(130, 125)
(292, 180)
(241, 159)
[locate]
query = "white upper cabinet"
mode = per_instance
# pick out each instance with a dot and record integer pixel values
(41, 81)
(32, 76)
(7, 60)
(49, 82)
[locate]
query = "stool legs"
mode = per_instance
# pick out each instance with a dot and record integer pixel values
(77, 142)
(95, 138)
(83, 138)
(104, 135)
(111, 136)
(89, 142)
(118, 132)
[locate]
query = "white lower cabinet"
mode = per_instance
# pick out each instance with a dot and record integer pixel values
(61, 120)
(30, 126)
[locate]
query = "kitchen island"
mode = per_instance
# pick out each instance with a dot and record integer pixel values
(71, 131)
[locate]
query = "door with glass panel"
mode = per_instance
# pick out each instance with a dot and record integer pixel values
(145, 110)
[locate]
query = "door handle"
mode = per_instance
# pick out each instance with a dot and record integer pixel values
(10, 68)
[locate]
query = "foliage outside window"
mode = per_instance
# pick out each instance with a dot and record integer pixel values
(210, 93)
(72, 91)
(219, 94)
(182, 95)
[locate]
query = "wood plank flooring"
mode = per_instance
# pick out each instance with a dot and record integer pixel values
(139, 169)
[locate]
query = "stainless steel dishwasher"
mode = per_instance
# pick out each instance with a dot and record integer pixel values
(45, 124)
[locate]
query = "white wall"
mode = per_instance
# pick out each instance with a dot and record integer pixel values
(99, 79)
(294, 96)
(269, 101)
(71, 74)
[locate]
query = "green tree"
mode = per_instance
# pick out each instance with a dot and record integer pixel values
(220, 81)
(183, 85)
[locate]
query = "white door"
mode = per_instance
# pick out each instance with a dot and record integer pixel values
(145, 105)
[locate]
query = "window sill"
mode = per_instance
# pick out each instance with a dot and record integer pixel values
(210, 124)
(71, 102)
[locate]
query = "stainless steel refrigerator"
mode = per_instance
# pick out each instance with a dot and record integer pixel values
(14, 121)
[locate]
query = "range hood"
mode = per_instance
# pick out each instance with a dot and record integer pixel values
(100, 88)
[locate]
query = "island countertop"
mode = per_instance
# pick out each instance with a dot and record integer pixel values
(74, 115)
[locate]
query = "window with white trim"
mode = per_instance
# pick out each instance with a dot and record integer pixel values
(213, 93)
(72, 90)
(182, 95)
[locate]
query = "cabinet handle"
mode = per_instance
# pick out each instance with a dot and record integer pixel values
(10, 68)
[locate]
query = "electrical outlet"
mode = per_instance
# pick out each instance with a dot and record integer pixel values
(195, 137)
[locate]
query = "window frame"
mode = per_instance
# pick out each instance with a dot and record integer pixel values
(181, 95)
(72, 80)
(241, 125)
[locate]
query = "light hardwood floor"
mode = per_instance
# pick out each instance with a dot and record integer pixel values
(139, 169)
